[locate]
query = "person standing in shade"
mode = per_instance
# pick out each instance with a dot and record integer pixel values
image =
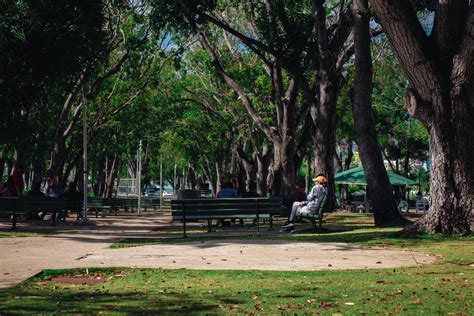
(314, 199)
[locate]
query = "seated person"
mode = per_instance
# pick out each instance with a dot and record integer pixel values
(252, 192)
(227, 191)
(315, 197)
(73, 195)
(36, 190)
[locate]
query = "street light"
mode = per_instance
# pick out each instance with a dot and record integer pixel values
(139, 174)
(84, 220)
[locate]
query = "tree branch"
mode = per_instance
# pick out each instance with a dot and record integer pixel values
(269, 131)
(411, 44)
(464, 60)
(449, 23)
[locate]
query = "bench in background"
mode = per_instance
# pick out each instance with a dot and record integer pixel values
(232, 208)
(14, 206)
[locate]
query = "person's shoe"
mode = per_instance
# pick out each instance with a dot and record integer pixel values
(289, 225)
(289, 230)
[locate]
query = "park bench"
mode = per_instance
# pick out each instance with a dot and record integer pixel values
(232, 208)
(98, 204)
(115, 204)
(316, 217)
(15, 206)
(145, 204)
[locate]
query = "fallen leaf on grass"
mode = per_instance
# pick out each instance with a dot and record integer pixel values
(417, 302)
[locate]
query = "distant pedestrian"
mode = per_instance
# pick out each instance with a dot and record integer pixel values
(52, 186)
(17, 178)
(7, 189)
(11, 186)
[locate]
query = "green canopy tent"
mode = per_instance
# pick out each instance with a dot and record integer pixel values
(356, 176)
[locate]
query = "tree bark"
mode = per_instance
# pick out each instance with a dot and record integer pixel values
(111, 175)
(263, 159)
(383, 202)
(440, 95)
(329, 54)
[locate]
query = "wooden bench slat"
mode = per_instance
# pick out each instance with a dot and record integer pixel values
(229, 208)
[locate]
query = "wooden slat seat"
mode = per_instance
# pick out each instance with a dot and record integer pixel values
(34, 205)
(98, 204)
(229, 208)
(317, 216)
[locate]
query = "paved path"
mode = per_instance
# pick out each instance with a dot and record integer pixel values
(24, 257)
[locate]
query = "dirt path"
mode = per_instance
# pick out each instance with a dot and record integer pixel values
(24, 257)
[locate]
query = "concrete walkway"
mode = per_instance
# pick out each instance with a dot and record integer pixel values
(24, 257)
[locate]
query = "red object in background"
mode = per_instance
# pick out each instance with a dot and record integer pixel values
(18, 181)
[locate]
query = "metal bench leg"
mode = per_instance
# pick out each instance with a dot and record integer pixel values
(270, 220)
(14, 220)
(258, 224)
(314, 224)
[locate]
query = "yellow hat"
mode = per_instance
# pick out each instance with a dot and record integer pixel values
(320, 179)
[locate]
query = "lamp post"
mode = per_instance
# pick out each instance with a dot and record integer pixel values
(139, 175)
(85, 178)
(161, 183)
(174, 182)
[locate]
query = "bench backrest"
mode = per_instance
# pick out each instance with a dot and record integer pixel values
(9, 203)
(225, 207)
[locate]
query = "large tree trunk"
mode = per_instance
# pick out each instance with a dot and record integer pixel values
(263, 159)
(441, 78)
(325, 139)
(383, 202)
(451, 181)
(327, 63)
(283, 170)
(111, 175)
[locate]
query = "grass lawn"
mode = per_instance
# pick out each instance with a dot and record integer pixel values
(26, 233)
(446, 287)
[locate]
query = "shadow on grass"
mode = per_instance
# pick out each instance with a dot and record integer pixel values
(40, 296)
(31, 301)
